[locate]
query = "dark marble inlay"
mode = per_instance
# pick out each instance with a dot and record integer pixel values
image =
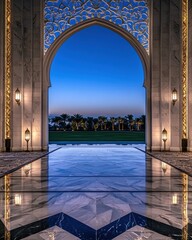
(35, 227)
(61, 220)
(76, 228)
(85, 232)
(117, 227)
(123, 224)
(158, 227)
(2, 230)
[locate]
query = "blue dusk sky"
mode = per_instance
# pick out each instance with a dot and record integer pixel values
(96, 72)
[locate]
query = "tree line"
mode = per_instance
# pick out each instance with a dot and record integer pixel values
(77, 122)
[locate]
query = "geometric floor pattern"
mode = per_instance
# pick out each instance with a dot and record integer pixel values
(96, 192)
(132, 226)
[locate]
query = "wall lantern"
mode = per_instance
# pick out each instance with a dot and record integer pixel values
(175, 199)
(18, 96)
(17, 199)
(164, 167)
(164, 137)
(174, 96)
(27, 137)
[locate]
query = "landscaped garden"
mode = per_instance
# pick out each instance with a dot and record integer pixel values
(79, 128)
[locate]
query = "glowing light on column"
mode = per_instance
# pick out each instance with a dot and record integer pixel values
(7, 214)
(185, 207)
(184, 66)
(7, 69)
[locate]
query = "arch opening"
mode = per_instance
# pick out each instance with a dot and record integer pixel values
(110, 26)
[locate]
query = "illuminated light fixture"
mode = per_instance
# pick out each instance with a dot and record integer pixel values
(175, 199)
(164, 166)
(27, 169)
(164, 137)
(18, 96)
(18, 199)
(27, 138)
(174, 96)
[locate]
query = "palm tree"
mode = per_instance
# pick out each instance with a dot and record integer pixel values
(119, 123)
(143, 121)
(64, 118)
(105, 123)
(129, 118)
(73, 125)
(122, 124)
(56, 121)
(96, 124)
(77, 119)
(83, 123)
(125, 123)
(138, 123)
(113, 120)
(101, 120)
(90, 123)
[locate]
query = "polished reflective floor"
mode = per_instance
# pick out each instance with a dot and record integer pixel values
(96, 192)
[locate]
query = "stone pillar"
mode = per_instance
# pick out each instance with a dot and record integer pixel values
(175, 74)
(37, 63)
(17, 76)
(166, 73)
(27, 67)
(155, 76)
(2, 75)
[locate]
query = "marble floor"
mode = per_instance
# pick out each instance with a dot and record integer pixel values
(96, 192)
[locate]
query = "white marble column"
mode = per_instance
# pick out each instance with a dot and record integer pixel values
(166, 73)
(27, 73)
(155, 76)
(17, 76)
(175, 74)
(37, 69)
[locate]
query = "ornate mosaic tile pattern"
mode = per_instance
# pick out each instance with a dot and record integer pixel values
(131, 15)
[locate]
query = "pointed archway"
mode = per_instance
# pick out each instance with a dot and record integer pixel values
(63, 37)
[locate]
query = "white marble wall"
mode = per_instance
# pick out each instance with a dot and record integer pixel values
(164, 70)
(175, 73)
(155, 76)
(27, 62)
(17, 68)
(166, 73)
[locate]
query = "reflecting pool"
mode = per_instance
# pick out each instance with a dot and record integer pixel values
(96, 192)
